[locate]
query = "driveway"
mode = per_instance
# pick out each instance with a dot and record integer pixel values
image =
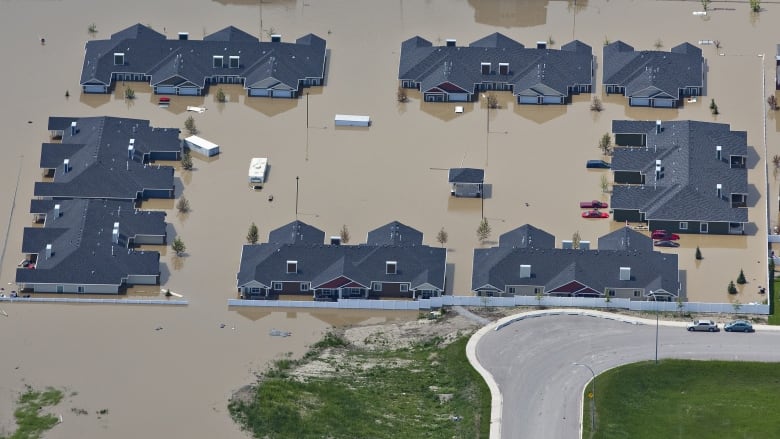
(537, 391)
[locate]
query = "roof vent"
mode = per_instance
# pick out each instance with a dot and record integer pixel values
(48, 251)
(625, 273)
(658, 128)
(525, 271)
(541, 44)
(130, 151)
(719, 152)
(66, 165)
(276, 38)
(451, 42)
(74, 128)
(719, 188)
(184, 35)
(57, 212)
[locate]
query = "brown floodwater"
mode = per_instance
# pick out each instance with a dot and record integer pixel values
(175, 382)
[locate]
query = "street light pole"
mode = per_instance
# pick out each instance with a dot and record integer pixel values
(296, 197)
(593, 399)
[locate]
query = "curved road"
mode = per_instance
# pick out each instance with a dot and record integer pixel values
(530, 361)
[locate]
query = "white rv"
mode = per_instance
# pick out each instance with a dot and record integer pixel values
(201, 146)
(257, 169)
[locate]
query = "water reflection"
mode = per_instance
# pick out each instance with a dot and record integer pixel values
(271, 106)
(510, 13)
(335, 318)
(540, 113)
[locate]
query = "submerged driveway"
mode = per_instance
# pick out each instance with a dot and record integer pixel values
(537, 391)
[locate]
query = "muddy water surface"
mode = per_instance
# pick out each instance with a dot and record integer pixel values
(175, 382)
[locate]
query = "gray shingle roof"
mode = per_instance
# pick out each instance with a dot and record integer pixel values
(686, 190)
(82, 249)
(649, 73)
(466, 175)
(626, 238)
(529, 68)
(98, 156)
(527, 236)
(180, 61)
(363, 263)
(498, 267)
(296, 232)
(394, 233)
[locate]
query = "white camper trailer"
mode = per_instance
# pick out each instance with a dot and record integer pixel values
(257, 170)
(348, 120)
(201, 146)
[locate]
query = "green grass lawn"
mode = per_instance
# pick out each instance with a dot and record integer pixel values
(31, 424)
(774, 319)
(687, 399)
(397, 397)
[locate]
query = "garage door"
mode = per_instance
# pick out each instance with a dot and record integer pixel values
(458, 97)
(552, 100)
(282, 94)
(94, 89)
(189, 91)
(165, 90)
(258, 92)
(528, 99)
(666, 103)
(639, 102)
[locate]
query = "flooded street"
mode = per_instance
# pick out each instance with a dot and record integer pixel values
(175, 382)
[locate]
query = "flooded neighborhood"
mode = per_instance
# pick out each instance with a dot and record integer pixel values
(168, 371)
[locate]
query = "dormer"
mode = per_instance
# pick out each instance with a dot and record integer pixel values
(391, 267)
(218, 61)
(525, 271)
(503, 68)
(485, 67)
(625, 273)
(292, 267)
(119, 58)
(234, 62)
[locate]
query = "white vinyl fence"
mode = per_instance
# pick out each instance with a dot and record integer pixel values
(89, 300)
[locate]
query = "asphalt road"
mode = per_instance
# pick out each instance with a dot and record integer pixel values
(531, 361)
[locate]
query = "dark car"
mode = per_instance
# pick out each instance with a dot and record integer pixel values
(664, 235)
(597, 164)
(738, 326)
(593, 204)
(666, 244)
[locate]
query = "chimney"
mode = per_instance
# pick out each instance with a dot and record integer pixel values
(130, 152)
(625, 273)
(57, 212)
(658, 169)
(184, 35)
(658, 127)
(335, 240)
(115, 234)
(719, 188)
(541, 44)
(584, 245)
(66, 165)
(719, 152)
(525, 271)
(48, 251)
(276, 38)
(73, 128)
(485, 68)
(503, 68)
(450, 42)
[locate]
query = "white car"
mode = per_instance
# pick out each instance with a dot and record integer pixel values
(703, 325)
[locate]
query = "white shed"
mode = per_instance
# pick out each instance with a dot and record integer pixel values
(201, 146)
(349, 120)
(257, 170)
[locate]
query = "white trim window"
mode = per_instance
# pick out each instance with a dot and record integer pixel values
(404, 288)
(304, 286)
(277, 286)
(683, 225)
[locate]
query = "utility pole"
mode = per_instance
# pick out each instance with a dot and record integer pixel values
(296, 197)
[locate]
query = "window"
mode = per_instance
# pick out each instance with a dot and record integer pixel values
(637, 293)
(254, 290)
(119, 59)
(611, 293)
(277, 286)
(377, 286)
(304, 286)
(218, 61)
(391, 267)
(684, 225)
(60, 289)
(404, 288)
(234, 64)
(511, 290)
(537, 291)
(292, 267)
(81, 289)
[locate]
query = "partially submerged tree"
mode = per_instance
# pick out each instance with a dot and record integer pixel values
(705, 5)
(189, 124)
(442, 237)
(575, 240)
(658, 44)
(596, 105)
(344, 234)
(604, 183)
(741, 278)
(400, 95)
(483, 231)
(221, 95)
(605, 144)
(186, 161)
(772, 101)
(252, 235)
(183, 205)
(492, 101)
(755, 6)
(129, 93)
(714, 107)
(732, 289)
(178, 246)
(698, 254)
(92, 29)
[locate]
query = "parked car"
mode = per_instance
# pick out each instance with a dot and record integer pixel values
(595, 214)
(703, 325)
(664, 235)
(666, 244)
(595, 204)
(597, 164)
(738, 326)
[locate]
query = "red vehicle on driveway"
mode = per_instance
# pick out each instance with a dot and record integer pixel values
(664, 235)
(595, 214)
(595, 204)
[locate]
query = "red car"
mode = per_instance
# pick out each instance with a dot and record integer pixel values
(664, 235)
(595, 214)
(595, 204)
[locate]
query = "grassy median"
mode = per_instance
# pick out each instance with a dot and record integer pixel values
(681, 398)
(426, 391)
